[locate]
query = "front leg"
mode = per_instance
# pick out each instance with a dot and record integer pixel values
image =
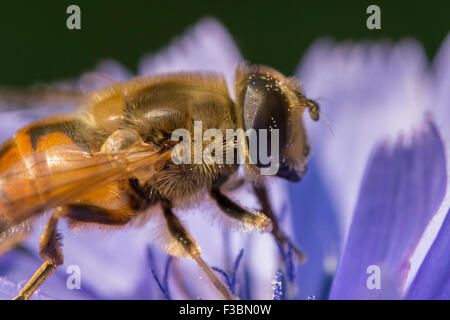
(263, 197)
(249, 218)
(262, 221)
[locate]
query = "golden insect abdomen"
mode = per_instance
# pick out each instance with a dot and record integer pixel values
(43, 149)
(37, 137)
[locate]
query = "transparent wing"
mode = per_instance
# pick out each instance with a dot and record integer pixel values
(16, 98)
(62, 173)
(14, 235)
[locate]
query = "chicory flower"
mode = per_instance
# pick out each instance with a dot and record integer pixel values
(389, 189)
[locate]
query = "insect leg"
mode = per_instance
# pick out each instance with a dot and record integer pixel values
(50, 251)
(261, 193)
(181, 235)
(235, 211)
(50, 244)
(91, 214)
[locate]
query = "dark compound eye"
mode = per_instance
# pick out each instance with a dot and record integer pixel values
(266, 107)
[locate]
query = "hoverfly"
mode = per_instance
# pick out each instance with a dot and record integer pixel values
(110, 161)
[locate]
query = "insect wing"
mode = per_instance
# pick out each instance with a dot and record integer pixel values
(61, 173)
(12, 98)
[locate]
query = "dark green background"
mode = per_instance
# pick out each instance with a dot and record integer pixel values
(37, 46)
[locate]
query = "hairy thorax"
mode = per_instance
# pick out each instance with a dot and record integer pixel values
(153, 108)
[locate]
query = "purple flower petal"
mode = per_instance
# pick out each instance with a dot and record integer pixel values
(316, 232)
(402, 189)
(372, 89)
(432, 281)
(206, 46)
(440, 94)
(9, 290)
(439, 106)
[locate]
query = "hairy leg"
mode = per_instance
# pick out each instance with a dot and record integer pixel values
(181, 235)
(248, 217)
(263, 197)
(50, 246)
(50, 251)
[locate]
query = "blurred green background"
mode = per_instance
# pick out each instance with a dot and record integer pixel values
(36, 46)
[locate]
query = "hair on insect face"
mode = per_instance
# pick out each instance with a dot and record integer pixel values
(271, 101)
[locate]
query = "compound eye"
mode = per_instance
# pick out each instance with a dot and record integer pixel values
(266, 107)
(273, 106)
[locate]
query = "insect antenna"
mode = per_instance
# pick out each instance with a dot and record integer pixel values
(314, 112)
